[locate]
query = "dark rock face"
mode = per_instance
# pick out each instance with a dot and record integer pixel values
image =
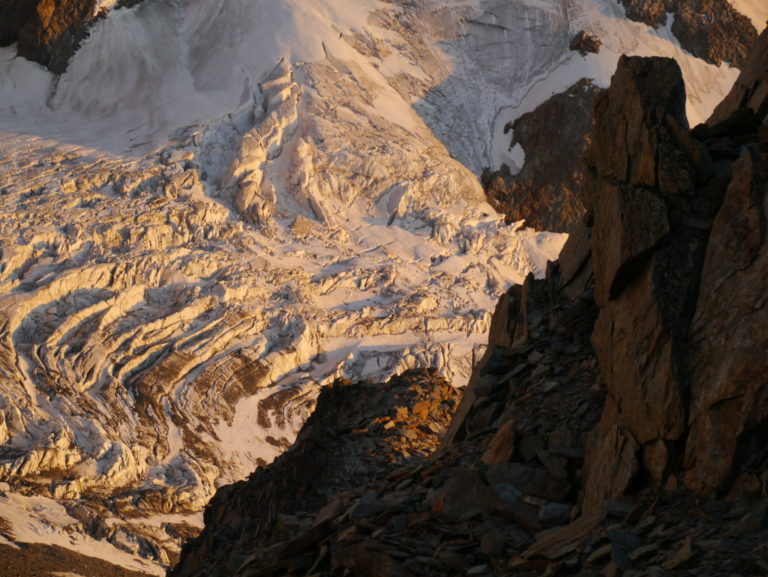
(647, 262)
(748, 95)
(357, 434)
(54, 31)
(49, 31)
(678, 253)
(710, 29)
(13, 15)
(547, 191)
(729, 410)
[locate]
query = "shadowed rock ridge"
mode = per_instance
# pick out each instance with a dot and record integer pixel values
(666, 277)
(48, 32)
(547, 190)
(710, 29)
(678, 247)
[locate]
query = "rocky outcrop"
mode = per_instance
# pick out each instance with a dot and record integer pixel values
(356, 437)
(49, 31)
(710, 29)
(547, 190)
(585, 43)
(678, 247)
(54, 31)
(646, 258)
(748, 95)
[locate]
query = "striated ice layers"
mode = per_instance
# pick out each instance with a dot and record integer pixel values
(225, 204)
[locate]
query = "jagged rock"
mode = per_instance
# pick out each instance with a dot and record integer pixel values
(49, 31)
(585, 43)
(546, 191)
(13, 15)
(750, 90)
(674, 296)
(729, 412)
(651, 12)
(346, 443)
(714, 31)
(646, 267)
(710, 29)
(54, 31)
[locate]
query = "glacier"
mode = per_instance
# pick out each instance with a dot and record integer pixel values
(223, 205)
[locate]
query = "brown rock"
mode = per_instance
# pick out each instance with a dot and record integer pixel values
(611, 464)
(557, 543)
(647, 262)
(584, 43)
(712, 30)
(729, 412)
(502, 445)
(546, 193)
(629, 224)
(750, 89)
(367, 559)
(651, 12)
(54, 32)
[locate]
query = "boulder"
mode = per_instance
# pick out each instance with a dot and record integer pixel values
(585, 43)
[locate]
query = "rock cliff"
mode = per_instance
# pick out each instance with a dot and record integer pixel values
(546, 193)
(49, 32)
(678, 242)
(644, 455)
(711, 29)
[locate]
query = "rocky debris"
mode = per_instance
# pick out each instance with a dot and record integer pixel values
(39, 560)
(678, 252)
(654, 537)
(358, 434)
(585, 43)
(547, 190)
(710, 29)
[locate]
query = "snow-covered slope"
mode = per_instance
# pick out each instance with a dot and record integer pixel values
(225, 204)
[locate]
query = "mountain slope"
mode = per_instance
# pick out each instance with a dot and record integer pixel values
(223, 205)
